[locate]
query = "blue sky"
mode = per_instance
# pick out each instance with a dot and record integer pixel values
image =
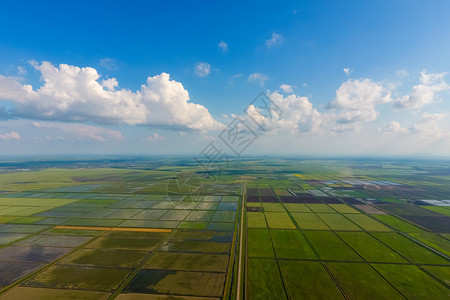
(349, 77)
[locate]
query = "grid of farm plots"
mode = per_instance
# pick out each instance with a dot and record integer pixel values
(95, 246)
(322, 247)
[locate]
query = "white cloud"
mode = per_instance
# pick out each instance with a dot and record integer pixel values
(393, 127)
(202, 69)
(428, 126)
(224, 46)
(21, 70)
(355, 103)
(275, 40)
(287, 88)
(10, 136)
(401, 73)
(108, 63)
(423, 93)
(347, 71)
(259, 78)
(155, 137)
(293, 114)
(74, 94)
(73, 132)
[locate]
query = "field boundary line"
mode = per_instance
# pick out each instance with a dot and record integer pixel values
(139, 268)
(241, 230)
(129, 229)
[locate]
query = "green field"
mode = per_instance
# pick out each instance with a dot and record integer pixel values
(146, 229)
(330, 247)
(279, 220)
(413, 282)
(291, 244)
(256, 220)
(302, 279)
(369, 248)
(309, 221)
(368, 284)
(408, 249)
(266, 280)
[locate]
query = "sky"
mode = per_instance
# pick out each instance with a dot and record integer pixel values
(331, 78)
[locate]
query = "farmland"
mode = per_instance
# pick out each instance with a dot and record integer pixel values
(310, 230)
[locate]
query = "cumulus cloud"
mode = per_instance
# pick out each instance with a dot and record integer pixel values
(223, 46)
(74, 94)
(425, 92)
(259, 78)
(428, 126)
(155, 137)
(275, 40)
(286, 88)
(292, 113)
(202, 69)
(355, 103)
(393, 127)
(10, 136)
(73, 132)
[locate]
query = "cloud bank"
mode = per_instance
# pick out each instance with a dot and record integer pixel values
(74, 94)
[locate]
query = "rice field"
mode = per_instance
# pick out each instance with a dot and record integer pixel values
(313, 233)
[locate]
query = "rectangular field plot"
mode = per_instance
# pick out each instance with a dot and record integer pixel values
(200, 215)
(279, 220)
(398, 224)
(259, 243)
(309, 221)
(54, 241)
(320, 208)
(207, 206)
(175, 215)
(77, 277)
(441, 272)
(143, 243)
(433, 240)
(367, 223)
(330, 247)
(94, 222)
(369, 248)
(297, 207)
(196, 246)
(439, 209)
(343, 209)
(188, 262)
(291, 244)
(264, 279)
(150, 224)
(408, 249)
(6, 238)
(413, 282)
(173, 282)
(256, 220)
(193, 225)
(12, 271)
(32, 254)
(338, 222)
(43, 293)
(308, 280)
(360, 281)
(150, 214)
(224, 216)
(273, 207)
(105, 258)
